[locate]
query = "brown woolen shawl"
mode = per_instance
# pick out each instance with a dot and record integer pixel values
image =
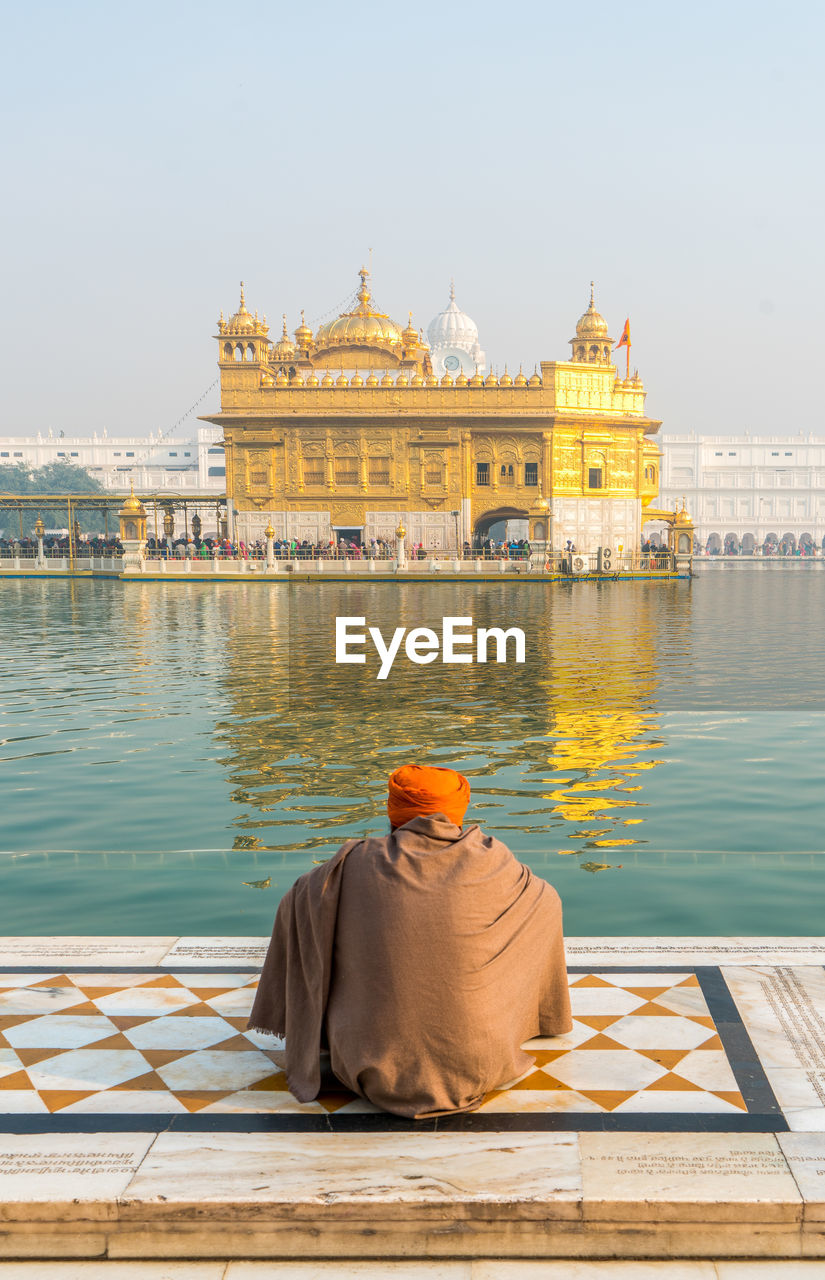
(424, 959)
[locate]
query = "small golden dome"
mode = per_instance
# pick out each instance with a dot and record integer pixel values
(303, 334)
(505, 380)
(312, 380)
(430, 380)
(402, 380)
(461, 380)
(362, 327)
(410, 334)
(281, 380)
(243, 321)
(356, 380)
(447, 381)
(591, 324)
(372, 380)
(521, 381)
(417, 380)
(269, 532)
(341, 380)
(476, 380)
(132, 505)
(386, 381)
(401, 532)
(535, 381)
(283, 349)
(491, 380)
(327, 380)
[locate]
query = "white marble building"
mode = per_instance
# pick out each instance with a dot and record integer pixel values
(743, 491)
(149, 463)
(453, 339)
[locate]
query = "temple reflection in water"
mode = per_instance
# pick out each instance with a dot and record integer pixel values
(556, 749)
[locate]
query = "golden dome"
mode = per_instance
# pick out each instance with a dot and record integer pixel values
(327, 380)
(342, 380)
(491, 380)
(505, 380)
(372, 380)
(476, 380)
(591, 324)
(243, 321)
(430, 380)
(410, 334)
(417, 380)
(461, 380)
(402, 380)
(447, 381)
(132, 506)
(386, 381)
(283, 349)
(312, 380)
(521, 381)
(303, 334)
(535, 381)
(281, 379)
(362, 327)
(356, 380)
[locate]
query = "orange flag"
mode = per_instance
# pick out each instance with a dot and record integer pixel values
(624, 341)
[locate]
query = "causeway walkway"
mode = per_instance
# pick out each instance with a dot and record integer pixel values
(679, 1126)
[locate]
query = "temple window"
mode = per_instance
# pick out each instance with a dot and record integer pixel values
(434, 474)
(482, 473)
(595, 478)
(227, 351)
(314, 472)
(379, 471)
(239, 352)
(250, 352)
(346, 471)
(531, 473)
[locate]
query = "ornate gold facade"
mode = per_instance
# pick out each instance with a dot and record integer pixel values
(349, 429)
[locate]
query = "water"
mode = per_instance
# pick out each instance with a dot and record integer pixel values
(657, 757)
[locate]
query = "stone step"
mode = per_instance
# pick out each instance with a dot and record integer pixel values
(412, 1196)
(480, 1269)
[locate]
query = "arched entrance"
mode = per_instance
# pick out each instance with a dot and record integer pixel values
(806, 544)
(713, 546)
(731, 544)
(485, 522)
(748, 544)
(770, 544)
(787, 546)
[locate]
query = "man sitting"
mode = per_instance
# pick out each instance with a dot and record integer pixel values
(422, 959)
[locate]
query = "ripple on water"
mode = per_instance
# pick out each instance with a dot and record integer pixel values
(161, 717)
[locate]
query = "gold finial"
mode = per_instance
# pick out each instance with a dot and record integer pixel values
(221, 315)
(593, 293)
(363, 292)
(303, 321)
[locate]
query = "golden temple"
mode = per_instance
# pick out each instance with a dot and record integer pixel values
(347, 432)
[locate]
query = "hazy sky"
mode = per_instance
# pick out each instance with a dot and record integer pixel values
(155, 154)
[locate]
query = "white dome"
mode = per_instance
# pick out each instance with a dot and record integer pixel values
(453, 328)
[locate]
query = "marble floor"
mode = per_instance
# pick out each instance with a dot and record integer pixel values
(165, 1044)
(680, 1127)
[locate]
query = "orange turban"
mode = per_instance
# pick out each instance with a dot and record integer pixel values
(417, 788)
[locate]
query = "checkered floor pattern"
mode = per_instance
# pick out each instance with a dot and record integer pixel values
(175, 1043)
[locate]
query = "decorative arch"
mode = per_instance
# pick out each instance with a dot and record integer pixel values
(484, 522)
(731, 544)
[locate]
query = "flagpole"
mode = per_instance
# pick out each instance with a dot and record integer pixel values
(628, 362)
